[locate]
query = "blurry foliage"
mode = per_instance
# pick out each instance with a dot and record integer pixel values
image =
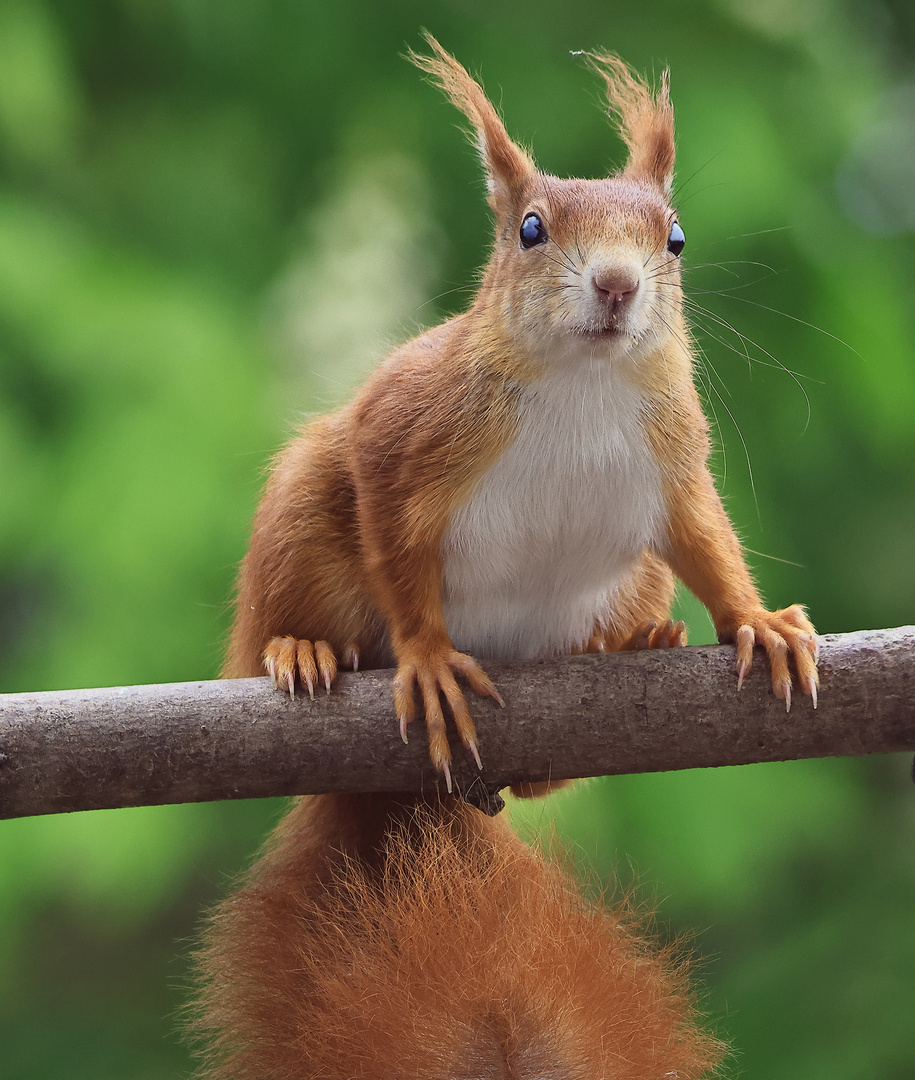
(214, 216)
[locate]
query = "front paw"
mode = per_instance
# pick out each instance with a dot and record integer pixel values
(433, 674)
(783, 634)
(289, 659)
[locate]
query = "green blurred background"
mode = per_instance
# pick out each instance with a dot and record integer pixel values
(215, 215)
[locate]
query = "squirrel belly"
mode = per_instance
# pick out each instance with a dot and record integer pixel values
(558, 524)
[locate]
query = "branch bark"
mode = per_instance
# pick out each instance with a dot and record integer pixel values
(573, 716)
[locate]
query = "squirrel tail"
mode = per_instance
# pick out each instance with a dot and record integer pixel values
(404, 938)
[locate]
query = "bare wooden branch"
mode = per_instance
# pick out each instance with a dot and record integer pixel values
(574, 716)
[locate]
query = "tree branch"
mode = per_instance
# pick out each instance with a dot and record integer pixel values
(574, 716)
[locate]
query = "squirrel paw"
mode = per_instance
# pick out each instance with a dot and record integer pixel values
(783, 634)
(434, 675)
(669, 635)
(313, 662)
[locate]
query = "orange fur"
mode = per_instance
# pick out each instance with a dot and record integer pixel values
(646, 120)
(509, 169)
(349, 557)
(380, 937)
(392, 936)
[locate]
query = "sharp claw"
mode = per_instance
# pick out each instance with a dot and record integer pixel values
(290, 682)
(355, 660)
(742, 670)
(327, 681)
(447, 774)
(272, 669)
(472, 747)
(403, 729)
(501, 700)
(812, 690)
(787, 697)
(311, 687)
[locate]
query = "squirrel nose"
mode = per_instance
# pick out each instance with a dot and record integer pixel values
(615, 286)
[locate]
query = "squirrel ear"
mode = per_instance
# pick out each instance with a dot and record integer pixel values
(508, 168)
(645, 120)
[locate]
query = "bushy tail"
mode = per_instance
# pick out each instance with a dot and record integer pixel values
(458, 953)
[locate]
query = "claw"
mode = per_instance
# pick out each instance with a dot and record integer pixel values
(272, 669)
(472, 747)
(326, 663)
(446, 771)
(403, 729)
(290, 683)
(812, 690)
(787, 697)
(742, 671)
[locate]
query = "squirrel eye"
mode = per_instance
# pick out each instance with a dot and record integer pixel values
(532, 231)
(676, 240)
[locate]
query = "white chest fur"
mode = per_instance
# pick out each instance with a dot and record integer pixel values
(557, 522)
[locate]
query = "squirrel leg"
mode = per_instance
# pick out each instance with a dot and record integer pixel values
(640, 607)
(638, 616)
(705, 554)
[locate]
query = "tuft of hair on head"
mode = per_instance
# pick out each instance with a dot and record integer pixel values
(509, 169)
(645, 120)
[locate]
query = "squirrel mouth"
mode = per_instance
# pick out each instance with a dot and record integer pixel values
(601, 333)
(605, 326)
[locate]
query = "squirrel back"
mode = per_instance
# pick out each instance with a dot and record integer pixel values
(397, 938)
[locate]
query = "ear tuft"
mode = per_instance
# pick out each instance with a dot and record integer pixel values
(509, 169)
(645, 120)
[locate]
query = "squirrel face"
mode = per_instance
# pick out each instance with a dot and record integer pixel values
(593, 262)
(580, 265)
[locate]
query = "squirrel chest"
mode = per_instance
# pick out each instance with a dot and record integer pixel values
(556, 523)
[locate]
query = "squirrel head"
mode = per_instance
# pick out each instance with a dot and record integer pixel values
(580, 262)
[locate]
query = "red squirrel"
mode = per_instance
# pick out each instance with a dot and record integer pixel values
(521, 481)
(526, 479)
